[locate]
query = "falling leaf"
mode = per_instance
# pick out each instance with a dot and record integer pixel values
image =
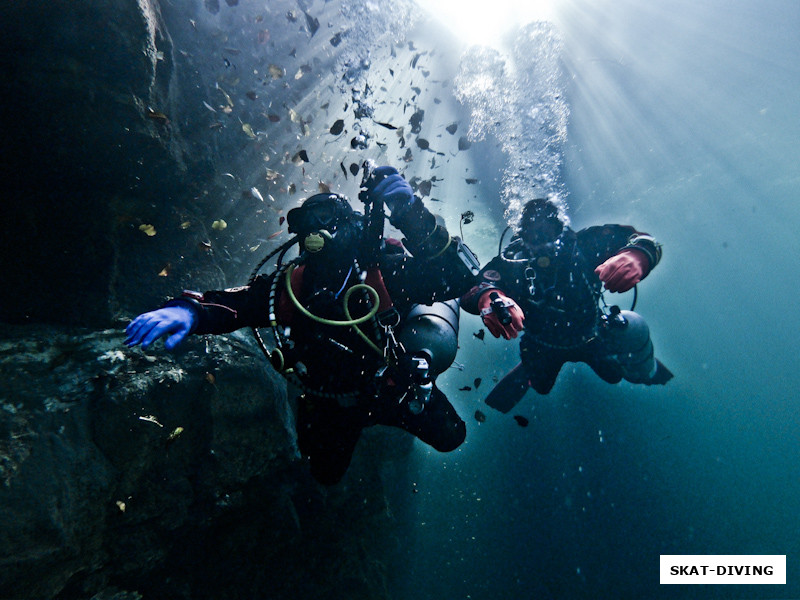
(150, 419)
(480, 417)
(276, 234)
(464, 143)
(219, 225)
(157, 116)
(416, 121)
(466, 388)
(387, 125)
(337, 127)
(209, 107)
(248, 130)
(204, 246)
(521, 421)
(148, 229)
(209, 377)
(281, 219)
(477, 382)
(354, 168)
(467, 217)
(121, 505)
(480, 334)
(292, 188)
(263, 36)
(452, 128)
(175, 433)
(295, 116)
(272, 175)
(186, 224)
(336, 39)
(471, 180)
(313, 24)
(273, 118)
(252, 95)
(324, 187)
(256, 194)
(165, 271)
(423, 143)
(300, 157)
(276, 72)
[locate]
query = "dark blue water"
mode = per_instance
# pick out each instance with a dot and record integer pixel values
(678, 117)
(683, 121)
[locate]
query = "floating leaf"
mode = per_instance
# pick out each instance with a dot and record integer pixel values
(150, 419)
(219, 225)
(313, 24)
(300, 157)
(521, 421)
(148, 229)
(337, 127)
(256, 194)
(175, 433)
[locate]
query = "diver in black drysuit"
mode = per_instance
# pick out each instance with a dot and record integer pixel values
(350, 378)
(548, 283)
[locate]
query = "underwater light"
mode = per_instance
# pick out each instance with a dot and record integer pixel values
(485, 22)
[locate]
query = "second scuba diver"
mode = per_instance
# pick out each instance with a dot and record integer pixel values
(548, 281)
(349, 318)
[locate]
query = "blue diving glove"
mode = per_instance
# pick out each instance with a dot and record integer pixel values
(179, 321)
(388, 185)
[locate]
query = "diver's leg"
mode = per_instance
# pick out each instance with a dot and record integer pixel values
(597, 357)
(326, 435)
(542, 365)
(438, 425)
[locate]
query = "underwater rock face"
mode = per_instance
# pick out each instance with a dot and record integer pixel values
(127, 470)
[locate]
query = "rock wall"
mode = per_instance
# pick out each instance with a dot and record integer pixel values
(173, 476)
(126, 474)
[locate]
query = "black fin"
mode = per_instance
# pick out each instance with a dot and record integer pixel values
(509, 390)
(662, 375)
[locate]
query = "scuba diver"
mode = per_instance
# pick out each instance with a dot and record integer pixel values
(362, 325)
(548, 282)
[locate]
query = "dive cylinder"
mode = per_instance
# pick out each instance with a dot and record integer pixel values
(433, 330)
(626, 337)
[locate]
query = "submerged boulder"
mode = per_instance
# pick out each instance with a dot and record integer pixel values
(141, 472)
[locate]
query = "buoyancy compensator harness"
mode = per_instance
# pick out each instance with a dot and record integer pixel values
(561, 251)
(406, 372)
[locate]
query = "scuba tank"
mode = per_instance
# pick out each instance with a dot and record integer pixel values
(432, 330)
(626, 336)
